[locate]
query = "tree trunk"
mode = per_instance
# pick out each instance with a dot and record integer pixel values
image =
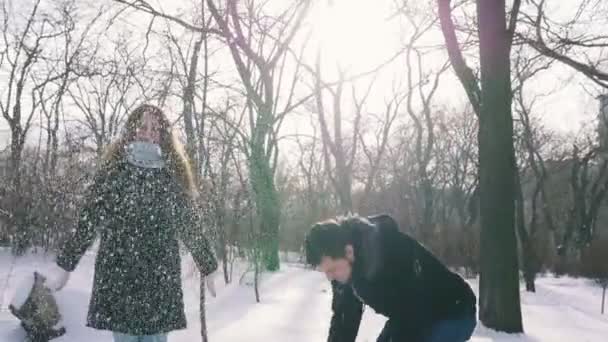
(54, 130)
(333, 149)
(604, 297)
(221, 230)
(188, 98)
(344, 189)
(18, 231)
(203, 316)
(427, 215)
(47, 153)
(256, 278)
(528, 268)
(499, 282)
(54, 145)
(225, 268)
(527, 252)
(267, 206)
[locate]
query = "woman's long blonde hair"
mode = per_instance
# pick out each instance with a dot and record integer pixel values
(176, 158)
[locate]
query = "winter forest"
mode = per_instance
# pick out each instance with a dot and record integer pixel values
(480, 126)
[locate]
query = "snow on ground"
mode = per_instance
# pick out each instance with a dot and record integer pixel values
(296, 307)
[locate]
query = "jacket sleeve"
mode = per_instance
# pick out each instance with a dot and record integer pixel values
(192, 235)
(347, 311)
(92, 215)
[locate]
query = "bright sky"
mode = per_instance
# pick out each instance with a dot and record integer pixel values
(359, 34)
(355, 33)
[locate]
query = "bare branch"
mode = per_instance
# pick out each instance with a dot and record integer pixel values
(538, 43)
(513, 20)
(145, 7)
(462, 70)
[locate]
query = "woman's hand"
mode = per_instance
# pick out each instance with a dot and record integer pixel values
(56, 277)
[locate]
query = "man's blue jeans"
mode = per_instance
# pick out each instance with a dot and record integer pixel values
(454, 330)
(450, 330)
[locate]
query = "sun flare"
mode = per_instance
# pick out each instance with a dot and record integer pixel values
(355, 34)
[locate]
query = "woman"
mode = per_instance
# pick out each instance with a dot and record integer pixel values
(142, 202)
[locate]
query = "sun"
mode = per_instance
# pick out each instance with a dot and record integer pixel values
(356, 34)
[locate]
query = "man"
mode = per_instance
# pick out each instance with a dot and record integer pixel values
(370, 262)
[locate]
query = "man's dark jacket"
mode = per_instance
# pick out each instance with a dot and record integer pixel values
(398, 278)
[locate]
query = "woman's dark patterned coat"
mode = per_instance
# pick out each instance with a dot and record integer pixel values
(140, 214)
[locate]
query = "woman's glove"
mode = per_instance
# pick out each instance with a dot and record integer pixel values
(56, 277)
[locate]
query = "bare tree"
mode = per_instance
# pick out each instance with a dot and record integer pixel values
(338, 151)
(532, 139)
(457, 145)
(22, 54)
(588, 186)
(187, 52)
(313, 175)
(259, 57)
(222, 144)
(572, 42)
(71, 64)
(377, 153)
(425, 136)
(491, 98)
(105, 98)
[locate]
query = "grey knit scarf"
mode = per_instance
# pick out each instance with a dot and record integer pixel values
(145, 154)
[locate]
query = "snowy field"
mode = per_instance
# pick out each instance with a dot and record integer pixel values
(296, 307)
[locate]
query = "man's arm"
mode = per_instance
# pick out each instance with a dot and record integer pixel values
(347, 312)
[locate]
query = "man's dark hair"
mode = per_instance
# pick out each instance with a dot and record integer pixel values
(329, 239)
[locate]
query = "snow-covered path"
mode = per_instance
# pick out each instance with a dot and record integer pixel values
(296, 307)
